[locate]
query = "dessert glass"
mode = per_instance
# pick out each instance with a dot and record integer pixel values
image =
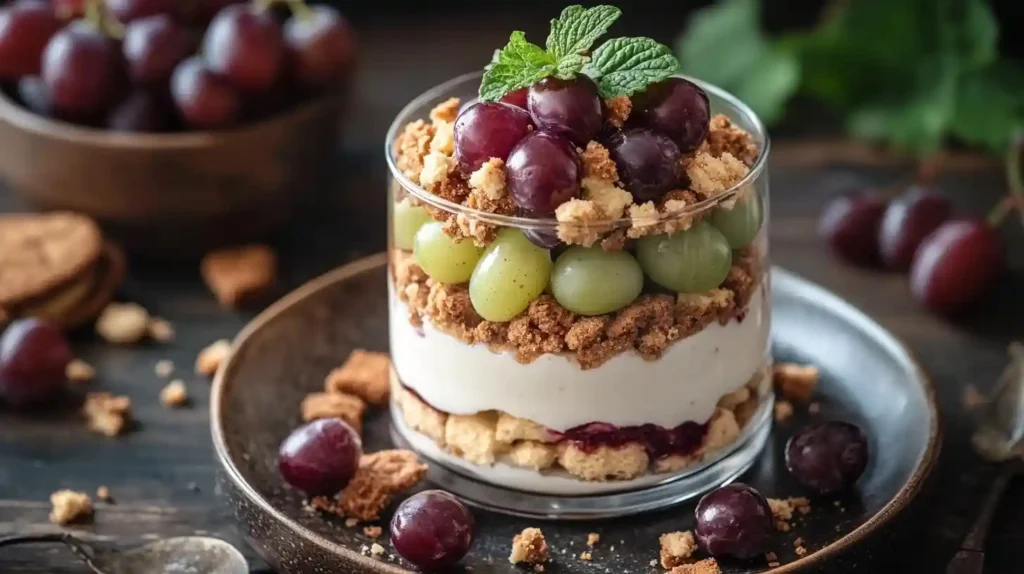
(662, 401)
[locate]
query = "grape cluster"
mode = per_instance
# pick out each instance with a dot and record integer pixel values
(952, 261)
(148, 65)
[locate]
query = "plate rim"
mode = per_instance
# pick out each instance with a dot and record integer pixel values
(883, 516)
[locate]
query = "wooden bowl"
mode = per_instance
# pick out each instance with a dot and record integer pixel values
(172, 195)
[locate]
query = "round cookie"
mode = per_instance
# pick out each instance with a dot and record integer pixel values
(110, 273)
(39, 252)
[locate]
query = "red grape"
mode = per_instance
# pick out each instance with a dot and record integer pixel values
(83, 71)
(32, 94)
(322, 45)
(432, 529)
(246, 47)
(677, 108)
(734, 520)
(33, 356)
(517, 98)
(320, 457)
(488, 129)
(68, 9)
(956, 264)
(647, 161)
(543, 172)
(908, 220)
(25, 29)
(205, 10)
(569, 108)
(142, 111)
(850, 225)
(153, 46)
(130, 10)
(203, 99)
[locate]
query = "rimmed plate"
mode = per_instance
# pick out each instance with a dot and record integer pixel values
(869, 378)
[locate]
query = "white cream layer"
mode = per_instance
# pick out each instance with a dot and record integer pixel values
(683, 385)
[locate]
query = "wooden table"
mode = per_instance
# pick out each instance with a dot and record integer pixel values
(161, 475)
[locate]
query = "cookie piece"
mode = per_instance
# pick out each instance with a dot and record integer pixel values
(110, 272)
(238, 275)
(39, 252)
(365, 374)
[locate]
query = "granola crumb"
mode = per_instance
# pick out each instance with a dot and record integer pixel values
(725, 137)
(446, 111)
(69, 506)
(376, 549)
(79, 371)
(783, 411)
(598, 164)
(351, 522)
(578, 222)
(107, 414)
(490, 179)
(160, 330)
(365, 374)
(711, 176)
(611, 200)
(103, 493)
(344, 406)
(174, 394)
(210, 358)
(163, 368)
(585, 555)
(412, 145)
(123, 323)
(238, 275)
(593, 538)
(784, 509)
(795, 382)
(530, 547)
(618, 110)
(372, 531)
(814, 408)
(706, 566)
(676, 548)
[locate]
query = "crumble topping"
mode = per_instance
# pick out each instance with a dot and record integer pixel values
(446, 111)
(581, 222)
(586, 556)
(783, 411)
(239, 275)
(724, 137)
(174, 394)
(489, 179)
(107, 414)
(210, 358)
(377, 550)
(529, 547)
(618, 109)
(676, 548)
(785, 509)
(795, 382)
(346, 407)
(711, 176)
(380, 477)
(593, 538)
(69, 506)
(609, 198)
(412, 145)
(706, 566)
(598, 164)
(436, 167)
(365, 374)
(79, 371)
(444, 138)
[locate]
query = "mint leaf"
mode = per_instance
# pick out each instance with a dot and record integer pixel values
(570, 66)
(624, 66)
(517, 65)
(989, 106)
(577, 28)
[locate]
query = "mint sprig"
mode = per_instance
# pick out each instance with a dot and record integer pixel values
(622, 66)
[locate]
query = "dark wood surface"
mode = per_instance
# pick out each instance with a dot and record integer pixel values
(161, 474)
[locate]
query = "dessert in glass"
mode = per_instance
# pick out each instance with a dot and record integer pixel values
(578, 285)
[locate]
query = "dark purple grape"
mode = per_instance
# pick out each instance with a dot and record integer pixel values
(204, 10)
(32, 94)
(546, 238)
(83, 72)
(517, 98)
(850, 225)
(246, 47)
(26, 27)
(154, 46)
(677, 108)
(908, 220)
(956, 264)
(827, 457)
(432, 529)
(33, 359)
(321, 457)
(142, 112)
(734, 520)
(569, 108)
(543, 172)
(647, 161)
(203, 99)
(131, 10)
(322, 46)
(488, 129)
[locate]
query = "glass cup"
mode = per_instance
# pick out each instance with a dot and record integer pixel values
(529, 395)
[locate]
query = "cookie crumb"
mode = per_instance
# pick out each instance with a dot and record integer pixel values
(123, 323)
(446, 111)
(160, 330)
(371, 531)
(103, 493)
(344, 406)
(174, 394)
(676, 548)
(107, 414)
(783, 411)
(351, 522)
(69, 506)
(210, 358)
(79, 371)
(490, 179)
(381, 475)
(795, 382)
(593, 538)
(784, 509)
(814, 408)
(238, 275)
(585, 555)
(706, 566)
(618, 110)
(364, 374)
(529, 546)
(163, 368)
(538, 567)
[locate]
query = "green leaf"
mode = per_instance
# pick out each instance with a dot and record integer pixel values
(577, 28)
(517, 65)
(624, 66)
(570, 66)
(989, 106)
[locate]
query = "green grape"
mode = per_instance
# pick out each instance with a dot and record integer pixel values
(592, 281)
(691, 261)
(406, 220)
(443, 258)
(512, 273)
(740, 224)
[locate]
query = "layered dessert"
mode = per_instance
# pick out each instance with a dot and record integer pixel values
(578, 289)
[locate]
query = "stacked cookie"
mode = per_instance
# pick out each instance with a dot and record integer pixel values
(56, 266)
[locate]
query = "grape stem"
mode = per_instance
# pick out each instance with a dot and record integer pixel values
(1014, 175)
(97, 16)
(299, 9)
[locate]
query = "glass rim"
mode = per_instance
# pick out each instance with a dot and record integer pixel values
(550, 223)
